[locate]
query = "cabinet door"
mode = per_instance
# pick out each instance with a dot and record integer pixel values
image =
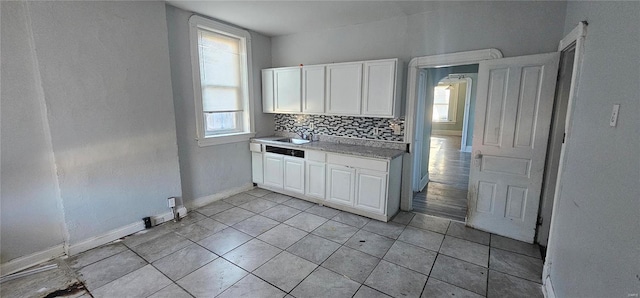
(287, 89)
(294, 174)
(341, 184)
(315, 179)
(379, 88)
(273, 170)
(371, 193)
(313, 89)
(344, 89)
(257, 171)
(267, 91)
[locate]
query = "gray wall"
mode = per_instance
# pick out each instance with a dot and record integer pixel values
(210, 170)
(515, 28)
(31, 216)
(106, 83)
(595, 240)
(376, 40)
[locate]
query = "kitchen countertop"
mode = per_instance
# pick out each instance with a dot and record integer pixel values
(364, 151)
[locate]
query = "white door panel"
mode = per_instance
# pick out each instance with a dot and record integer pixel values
(421, 147)
(273, 170)
(379, 88)
(294, 174)
(371, 191)
(315, 178)
(257, 171)
(344, 88)
(313, 89)
(267, 91)
(287, 89)
(513, 114)
(341, 180)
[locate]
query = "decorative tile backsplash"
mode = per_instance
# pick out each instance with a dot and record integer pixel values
(342, 126)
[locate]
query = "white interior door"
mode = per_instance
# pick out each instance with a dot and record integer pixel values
(420, 170)
(513, 114)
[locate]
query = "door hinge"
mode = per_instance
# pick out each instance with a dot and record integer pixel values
(564, 136)
(539, 221)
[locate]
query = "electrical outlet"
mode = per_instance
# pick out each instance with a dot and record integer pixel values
(614, 115)
(396, 129)
(172, 202)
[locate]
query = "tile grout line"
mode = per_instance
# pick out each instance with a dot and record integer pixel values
(434, 261)
(344, 244)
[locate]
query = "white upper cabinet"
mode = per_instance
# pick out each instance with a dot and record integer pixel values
(379, 89)
(365, 88)
(267, 91)
(287, 90)
(344, 89)
(313, 89)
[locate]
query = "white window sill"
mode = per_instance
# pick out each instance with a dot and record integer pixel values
(226, 139)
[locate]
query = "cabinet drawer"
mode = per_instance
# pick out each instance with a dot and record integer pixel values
(255, 147)
(315, 156)
(358, 162)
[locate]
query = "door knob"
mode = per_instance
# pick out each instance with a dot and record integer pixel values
(478, 158)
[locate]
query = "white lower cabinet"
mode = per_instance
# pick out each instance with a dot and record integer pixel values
(257, 171)
(371, 193)
(365, 186)
(294, 174)
(315, 179)
(273, 170)
(341, 180)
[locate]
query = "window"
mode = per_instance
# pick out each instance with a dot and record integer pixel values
(221, 64)
(444, 109)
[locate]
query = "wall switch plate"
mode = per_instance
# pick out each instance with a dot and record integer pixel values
(614, 115)
(375, 131)
(311, 125)
(172, 202)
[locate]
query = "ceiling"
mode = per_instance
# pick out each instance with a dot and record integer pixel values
(275, 18)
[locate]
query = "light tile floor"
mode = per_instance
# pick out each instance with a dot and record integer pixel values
(263, 244)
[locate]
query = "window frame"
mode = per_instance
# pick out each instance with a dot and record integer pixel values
(197, 23)
(452, 106)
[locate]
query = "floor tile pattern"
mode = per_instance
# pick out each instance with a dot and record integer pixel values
(262, 244)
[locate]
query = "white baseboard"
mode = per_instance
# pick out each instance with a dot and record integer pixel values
(25, 262)
(547, 288)
(158, 219)
(93, 242)
(203, 201)
(118, 233)
(436, 132)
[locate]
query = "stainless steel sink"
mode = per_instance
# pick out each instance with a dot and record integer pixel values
(293, 141)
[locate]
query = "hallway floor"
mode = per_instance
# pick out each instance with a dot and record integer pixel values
(263, 244)
(446, 193)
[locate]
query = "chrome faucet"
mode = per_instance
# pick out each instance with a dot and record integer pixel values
(304, 136)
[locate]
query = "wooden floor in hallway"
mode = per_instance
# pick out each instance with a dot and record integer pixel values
(446, 193)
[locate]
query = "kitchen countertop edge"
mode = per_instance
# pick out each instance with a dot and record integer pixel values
(348, 149)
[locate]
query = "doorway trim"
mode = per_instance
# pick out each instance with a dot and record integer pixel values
(433, 61)
(576, 36)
